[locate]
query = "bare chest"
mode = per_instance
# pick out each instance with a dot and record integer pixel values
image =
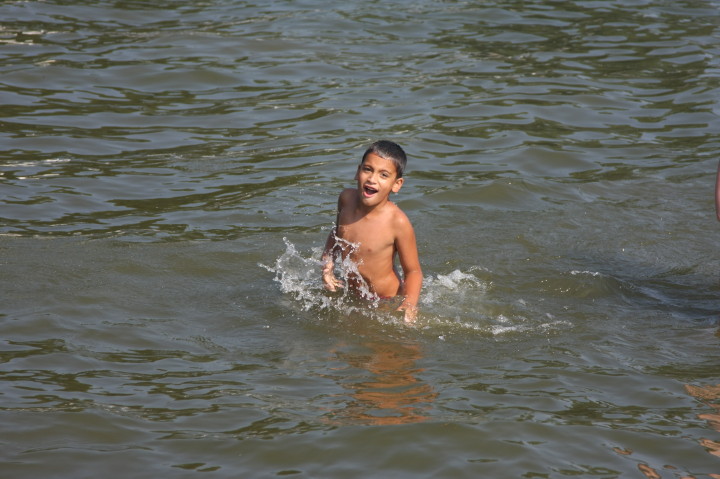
(366, 238)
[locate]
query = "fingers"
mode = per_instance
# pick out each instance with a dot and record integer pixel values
(410, 316)
(410, 312)
(331, 283)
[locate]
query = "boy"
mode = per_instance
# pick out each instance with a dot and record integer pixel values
(371, 230)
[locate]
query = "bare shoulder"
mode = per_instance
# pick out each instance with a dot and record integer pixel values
(347, 196)
(400, 220)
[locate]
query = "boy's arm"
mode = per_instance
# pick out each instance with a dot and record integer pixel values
(410, 263)
(330, 282)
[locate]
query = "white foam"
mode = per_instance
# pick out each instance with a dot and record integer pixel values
(591, 273)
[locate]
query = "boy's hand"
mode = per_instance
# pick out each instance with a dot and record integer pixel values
(410, 312)
(330, 282)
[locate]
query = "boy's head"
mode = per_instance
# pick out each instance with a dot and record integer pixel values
(389, 151)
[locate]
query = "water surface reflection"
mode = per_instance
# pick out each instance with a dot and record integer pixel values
(710, 397)
(384, 385)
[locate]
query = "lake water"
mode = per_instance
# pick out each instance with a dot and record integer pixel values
(169, 172)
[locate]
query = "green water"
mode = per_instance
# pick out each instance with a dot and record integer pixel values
(169, 172)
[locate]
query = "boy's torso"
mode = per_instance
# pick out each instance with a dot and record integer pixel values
(370, 238)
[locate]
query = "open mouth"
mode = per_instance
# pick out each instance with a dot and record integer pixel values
(369, 191)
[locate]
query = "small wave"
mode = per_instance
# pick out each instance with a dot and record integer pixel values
(590, 273)
(456, 285)
(35, 163)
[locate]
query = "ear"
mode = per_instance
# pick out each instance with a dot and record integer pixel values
(357, 172)
(397, 185)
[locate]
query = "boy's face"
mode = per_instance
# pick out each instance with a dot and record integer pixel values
(377, 178)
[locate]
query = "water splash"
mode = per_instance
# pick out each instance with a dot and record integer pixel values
(300, 276)
(456, 286)
(452, 303)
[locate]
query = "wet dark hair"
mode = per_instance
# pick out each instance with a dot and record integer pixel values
(389, 151)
